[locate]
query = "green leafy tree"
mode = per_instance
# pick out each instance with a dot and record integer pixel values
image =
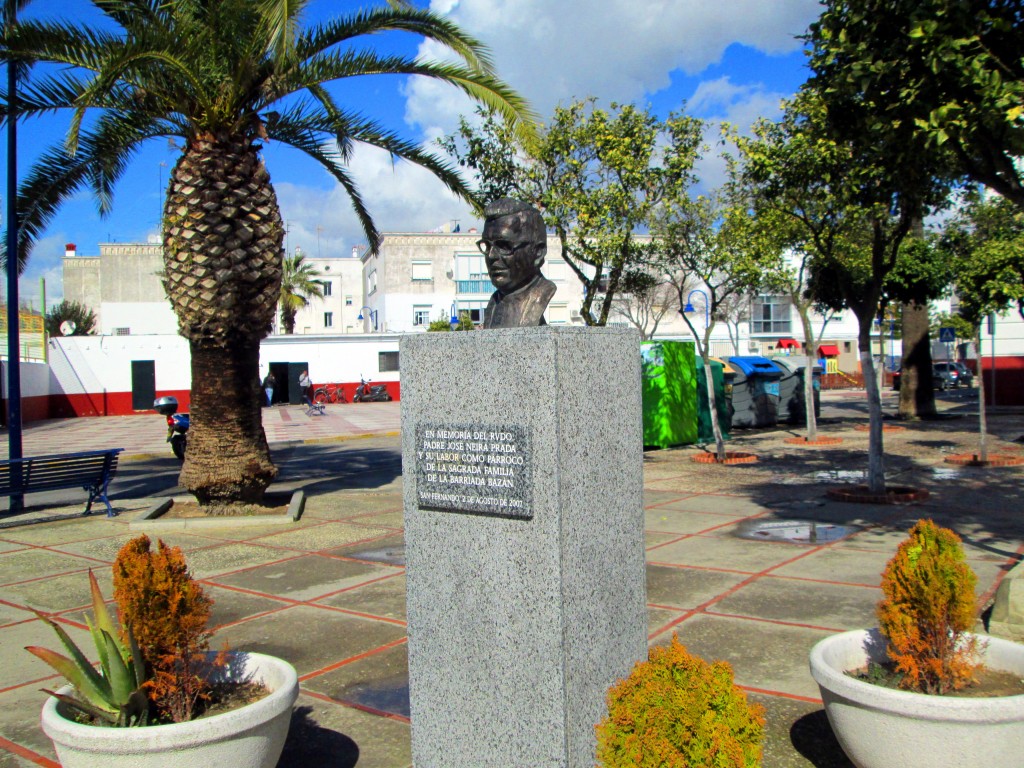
(225, 76)
(82, 318)
(444, 323)
(298, 285)
(985, 244)
(597, 175)
(913, 77)
(712, 241)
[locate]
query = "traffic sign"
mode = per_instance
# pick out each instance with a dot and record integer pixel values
(947, 335)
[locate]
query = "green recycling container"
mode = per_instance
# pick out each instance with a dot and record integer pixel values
(669, 393)
(705, 434)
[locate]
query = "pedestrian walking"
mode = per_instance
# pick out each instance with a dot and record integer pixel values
(269, 385)
(307, 388)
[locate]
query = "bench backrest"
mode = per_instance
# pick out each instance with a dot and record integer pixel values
(67, 470)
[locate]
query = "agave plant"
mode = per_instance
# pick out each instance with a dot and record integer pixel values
(113, 694)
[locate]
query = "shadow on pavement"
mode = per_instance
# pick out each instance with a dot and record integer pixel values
(310, 744)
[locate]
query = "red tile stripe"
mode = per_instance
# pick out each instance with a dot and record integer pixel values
(27, 754)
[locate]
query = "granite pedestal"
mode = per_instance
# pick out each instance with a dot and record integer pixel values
(522, 464)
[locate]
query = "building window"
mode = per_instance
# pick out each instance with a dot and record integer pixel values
(371, 283)
(325, 286)
(556, 271)
(421, 315)
(847, 346)
(328, 319)
(387, 361)
(348, 301)
(558, 314)
(122, 331)
(771, 315)
(422, 270)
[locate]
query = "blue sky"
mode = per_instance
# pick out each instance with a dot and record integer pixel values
(726, 60)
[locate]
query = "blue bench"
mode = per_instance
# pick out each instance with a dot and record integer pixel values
(90, 470)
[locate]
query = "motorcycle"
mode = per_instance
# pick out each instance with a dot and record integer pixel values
(378, 393)
(177, 424)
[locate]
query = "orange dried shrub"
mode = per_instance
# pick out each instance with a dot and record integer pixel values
(167, 611)
(677, 711)
(927, 611)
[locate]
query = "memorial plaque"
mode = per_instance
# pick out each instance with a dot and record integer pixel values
(474, 468)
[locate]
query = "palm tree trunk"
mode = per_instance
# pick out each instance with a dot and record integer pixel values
(222, 257)
(228, 459)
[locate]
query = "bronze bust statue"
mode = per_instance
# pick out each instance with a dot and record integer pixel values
(514, 244)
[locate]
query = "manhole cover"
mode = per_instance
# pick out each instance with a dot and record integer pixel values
(795, 531)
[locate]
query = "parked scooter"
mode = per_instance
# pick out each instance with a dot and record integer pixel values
(378, 393)
(177, 424)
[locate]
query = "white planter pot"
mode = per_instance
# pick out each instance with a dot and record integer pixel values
(884, 728)
(249, 737)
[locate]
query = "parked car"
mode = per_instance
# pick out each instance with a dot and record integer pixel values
(966, 375)
(945, 375)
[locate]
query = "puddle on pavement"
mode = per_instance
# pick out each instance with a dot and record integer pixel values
(390, 695)
(946, 473)
(841, 475)
(391, 555)
(795, 531)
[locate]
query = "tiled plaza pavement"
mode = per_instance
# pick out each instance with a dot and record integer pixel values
(145, 435)
(328, 594)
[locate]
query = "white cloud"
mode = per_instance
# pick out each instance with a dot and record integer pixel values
(622, 49)
(400, 196)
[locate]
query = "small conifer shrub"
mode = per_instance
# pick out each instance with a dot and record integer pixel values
(167, 612)
(927, 611)
(677, 711)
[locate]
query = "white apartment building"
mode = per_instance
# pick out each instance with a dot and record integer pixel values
(341, 280)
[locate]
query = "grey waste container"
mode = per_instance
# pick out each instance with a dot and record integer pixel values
(791, 388)
(755, 392)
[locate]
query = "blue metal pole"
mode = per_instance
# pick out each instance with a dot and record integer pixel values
(14, 448)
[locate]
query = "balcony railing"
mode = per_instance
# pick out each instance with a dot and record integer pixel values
(473, 286)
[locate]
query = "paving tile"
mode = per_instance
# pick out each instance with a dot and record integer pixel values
(770, 657)
(724, 552)
(74, 529)
(821, 605)
(21, 666)
(322, 536)
(839, 564)
(687, 587)
(797, 735)
(224, 558)
(230, 605)
(60, 593)
(379, 681)
(389, 549)
(667, 520)
(10, 614)
(385, 598)
(306, 577)
(32, 564)
(658, 618)
(10, 546)
(21, 708)
(310, 638)
(717, 504)
(106, 549)
(327, 734)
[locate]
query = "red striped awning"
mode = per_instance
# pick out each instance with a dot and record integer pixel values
(828, 350)
(787, 344)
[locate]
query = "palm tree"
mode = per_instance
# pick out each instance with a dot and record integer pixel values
(298, 285)
(225, 76)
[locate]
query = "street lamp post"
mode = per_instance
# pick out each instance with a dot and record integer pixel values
(688, 309)
(372, 314)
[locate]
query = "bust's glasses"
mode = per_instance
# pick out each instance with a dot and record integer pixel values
(500, 246)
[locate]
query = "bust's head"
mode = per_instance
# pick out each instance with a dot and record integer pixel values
(514, 243)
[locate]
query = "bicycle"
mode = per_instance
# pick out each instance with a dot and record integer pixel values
(329, 393)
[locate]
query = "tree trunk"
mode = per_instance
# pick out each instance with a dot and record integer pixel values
(917, 393)
(228, 459)
(876, 448)
(982, 420)
(812, 420)
(222, 257)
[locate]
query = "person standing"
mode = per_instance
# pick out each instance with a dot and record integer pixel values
(269, 385)
(306, 386)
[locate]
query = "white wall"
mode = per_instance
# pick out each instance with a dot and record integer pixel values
(82, 364)
(140, 318)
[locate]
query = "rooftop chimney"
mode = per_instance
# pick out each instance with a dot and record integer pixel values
(355, 251)
(69, 250)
